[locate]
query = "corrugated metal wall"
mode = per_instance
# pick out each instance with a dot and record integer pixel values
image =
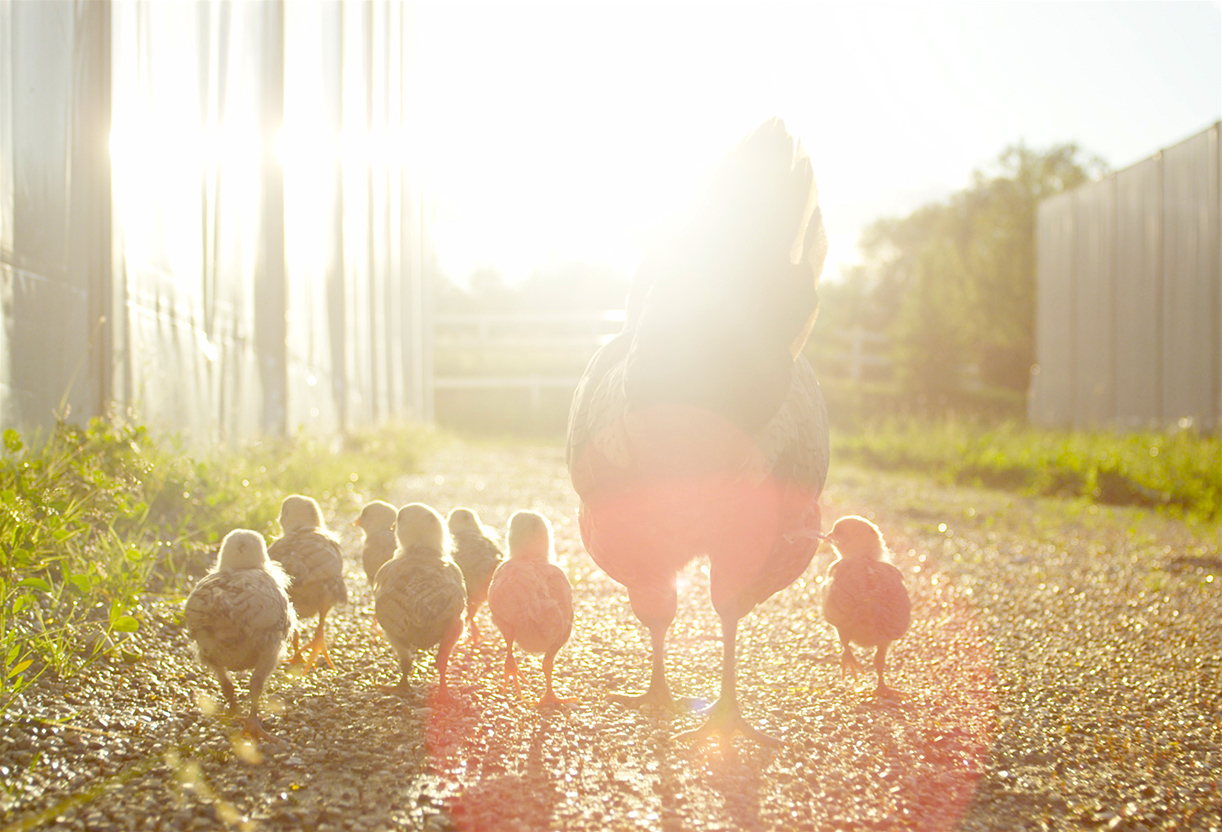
(1129, 296)
(209, 214)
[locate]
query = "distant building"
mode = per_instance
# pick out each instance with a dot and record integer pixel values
(1129, 296)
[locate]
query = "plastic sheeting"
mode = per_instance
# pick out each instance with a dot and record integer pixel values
(209, 213)
(1137, 258)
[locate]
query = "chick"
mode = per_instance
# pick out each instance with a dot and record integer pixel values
(866, 600)
(240, 617)
(312, 557)
(419, 595)
(377, 521)
(531, 600)
(478, 556)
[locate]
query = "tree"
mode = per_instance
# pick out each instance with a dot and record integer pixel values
(954, 282)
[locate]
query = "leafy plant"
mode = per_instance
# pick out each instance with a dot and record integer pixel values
(100, 514)
(1179, 473)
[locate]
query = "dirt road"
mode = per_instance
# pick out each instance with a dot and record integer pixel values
(1062, 672)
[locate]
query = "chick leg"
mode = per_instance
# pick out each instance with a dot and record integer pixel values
(474, 602)
(231, 698)
(297, 658)
(258, 676)
(549, 695)
(848, 662)
(318, 644)
(655, 606)
(472, 627)
(443, 660)
(511, 668)
(406, 665)
(724, 716)
(880, 660)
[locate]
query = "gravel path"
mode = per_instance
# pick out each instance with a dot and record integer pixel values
(1062, 672)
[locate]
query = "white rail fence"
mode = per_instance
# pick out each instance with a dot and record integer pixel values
(536, 358)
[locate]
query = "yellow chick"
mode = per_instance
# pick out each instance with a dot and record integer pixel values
(866, 600)
(419, 595)
(377, 521)
(313, 560)
(531, 600)
(478, 556)
(240, 618)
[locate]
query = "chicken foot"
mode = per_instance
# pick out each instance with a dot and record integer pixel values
(724, 716)
(658, 693)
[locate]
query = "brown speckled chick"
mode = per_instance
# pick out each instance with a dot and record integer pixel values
(531, 600)
(478, 556)
(377, 521)
(313, 560)
(866, 600)
(240, 617)
(419, 595)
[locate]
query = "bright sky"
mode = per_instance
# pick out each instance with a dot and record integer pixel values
(565, 131)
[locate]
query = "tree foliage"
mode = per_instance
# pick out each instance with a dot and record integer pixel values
(953, 283)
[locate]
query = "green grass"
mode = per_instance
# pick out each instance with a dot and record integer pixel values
(96, 516)
(1179, 473)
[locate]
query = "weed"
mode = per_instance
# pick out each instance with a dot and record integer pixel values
(100, 514)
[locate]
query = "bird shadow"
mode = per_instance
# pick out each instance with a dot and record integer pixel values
(505, 799)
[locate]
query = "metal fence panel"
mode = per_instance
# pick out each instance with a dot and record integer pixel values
(1093, 317)
(206, 215)
(53, 229)
(1190, 280)
(1144, 271)
(1139, 268)
(1053, 387)
(190, 202)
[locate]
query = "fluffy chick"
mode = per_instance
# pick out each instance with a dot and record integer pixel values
(866, 600)
(377, 521)
(313, 560)
(531, 600)
(478, 556)
(419, 595)
(240, 617)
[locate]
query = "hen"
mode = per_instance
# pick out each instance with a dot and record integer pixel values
(866, 600)
(531, 600)
(240, 617)
(314, 562)
(377, 521)
(478, 556)
(419, 595)
(700, 429)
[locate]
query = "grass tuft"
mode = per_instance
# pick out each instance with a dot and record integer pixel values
(100, 514)
(1179, 473)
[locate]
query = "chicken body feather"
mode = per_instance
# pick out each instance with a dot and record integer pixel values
(314, 562)
(865, 599)
(240, 617)
(533, 602)
(312, 558)
(419, 595)
(377, 521)
(700, 429)
(417, 600)
(478, 556)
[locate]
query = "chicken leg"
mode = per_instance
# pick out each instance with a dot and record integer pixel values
(655, 606)
(658, 693)
(724, 716)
